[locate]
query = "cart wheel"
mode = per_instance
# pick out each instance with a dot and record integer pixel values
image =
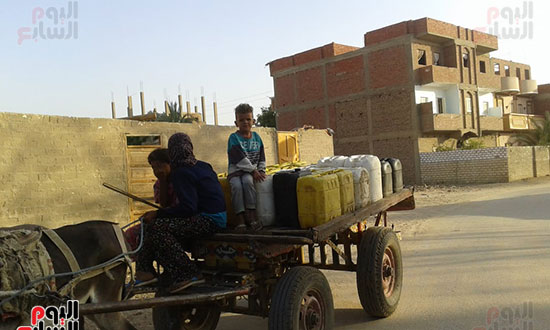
(302, 300)
(379, 271)
(195, 317)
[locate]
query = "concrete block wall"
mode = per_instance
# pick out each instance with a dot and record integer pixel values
(489, 165)
(52, 168)
(465, 166)
(520, 163)
(314, 145)
(542, 161)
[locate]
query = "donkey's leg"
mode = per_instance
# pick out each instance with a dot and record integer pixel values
(112, 321)
(105, 289)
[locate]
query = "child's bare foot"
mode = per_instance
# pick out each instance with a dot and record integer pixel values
(241, 222)
(252, 221)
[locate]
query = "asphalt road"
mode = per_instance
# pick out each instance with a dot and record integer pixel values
(483, 264)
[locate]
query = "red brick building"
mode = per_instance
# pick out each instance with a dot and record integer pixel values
(412, 86)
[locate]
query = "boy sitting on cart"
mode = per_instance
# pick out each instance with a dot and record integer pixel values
(246, 155)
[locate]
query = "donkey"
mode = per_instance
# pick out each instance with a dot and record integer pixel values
(92, 243)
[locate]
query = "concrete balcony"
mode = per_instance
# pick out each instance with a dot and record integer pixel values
(489, 82)
(431, 122)
(437, 75)
(518, 121)
(528, 87)
(485, 43)
(509, 85)
(441, 32)
(490, 123)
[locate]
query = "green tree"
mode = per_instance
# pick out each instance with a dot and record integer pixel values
(266, 118)
(175, 115)
(540, 136)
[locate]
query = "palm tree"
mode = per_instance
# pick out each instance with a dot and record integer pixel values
(175, 115)
(538, 137)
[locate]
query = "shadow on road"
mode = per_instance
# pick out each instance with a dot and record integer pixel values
(351, 316)
(527, 207)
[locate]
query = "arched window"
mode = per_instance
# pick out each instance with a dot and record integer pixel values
(469, 102)
(466, 58)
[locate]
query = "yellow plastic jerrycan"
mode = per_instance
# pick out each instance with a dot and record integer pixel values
(226, 188)
(318, 199)
(347, 196)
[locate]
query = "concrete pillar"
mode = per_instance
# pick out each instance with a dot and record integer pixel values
(166, 108)
(113, 110)
(142, 99)
(180, 101)
(203, 107)
(130, 108)
(215, 113)
(188, 104)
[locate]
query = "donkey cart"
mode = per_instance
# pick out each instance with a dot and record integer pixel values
(275, 273)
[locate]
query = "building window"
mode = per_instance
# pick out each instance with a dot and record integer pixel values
(527, 74)
(497, 69)
(485, 107)
(143, 140)
(436, 59)
(468, 103)
(482, 66)
(466, 60)
(530, 107)
(507, 71)
(518, 73)
(440, 105)
(423, 99)
(421, 57)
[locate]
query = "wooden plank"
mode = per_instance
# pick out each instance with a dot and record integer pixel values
(280, 239)
(323, 254)
(311, 253)
(326, 230)
(350, 268)
(144, 174)
(184, 299)
(335, 254)
(347, 251)
(404, 205)
(289, 232)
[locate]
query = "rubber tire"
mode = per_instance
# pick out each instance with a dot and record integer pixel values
(171, 317)
(287, 297)
(369, 269)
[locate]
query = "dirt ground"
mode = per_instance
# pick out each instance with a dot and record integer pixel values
(410, 223)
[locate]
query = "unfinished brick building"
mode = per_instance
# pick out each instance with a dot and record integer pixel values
(413, 86)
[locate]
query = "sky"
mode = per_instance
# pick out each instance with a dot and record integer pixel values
(218, 49)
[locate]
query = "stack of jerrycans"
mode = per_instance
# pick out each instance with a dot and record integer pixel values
(286, 200)
(318, 199)
(347, 197)
(226, 188)
(360, 186)
(265, 201)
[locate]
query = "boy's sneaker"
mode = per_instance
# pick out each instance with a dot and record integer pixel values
(180, 286)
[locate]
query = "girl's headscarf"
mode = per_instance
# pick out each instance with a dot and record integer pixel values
(180, 150)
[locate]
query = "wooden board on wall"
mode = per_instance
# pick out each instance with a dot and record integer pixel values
(140, 174)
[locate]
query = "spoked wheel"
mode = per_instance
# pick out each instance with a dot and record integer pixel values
(302, 300)
(195, 317)
(379, 271)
